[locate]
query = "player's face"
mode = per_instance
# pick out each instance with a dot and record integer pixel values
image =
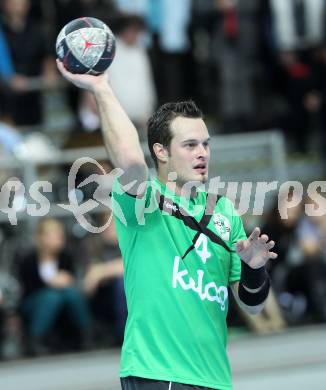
(189, 150)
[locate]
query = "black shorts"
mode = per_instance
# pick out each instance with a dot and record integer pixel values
(135, 383)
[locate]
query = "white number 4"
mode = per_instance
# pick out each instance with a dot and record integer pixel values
(201, 248)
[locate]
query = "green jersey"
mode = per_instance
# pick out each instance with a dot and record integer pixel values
(179, 258)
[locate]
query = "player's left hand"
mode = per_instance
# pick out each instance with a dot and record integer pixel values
(255, 250)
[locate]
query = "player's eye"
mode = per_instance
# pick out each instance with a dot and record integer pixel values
(191, 145)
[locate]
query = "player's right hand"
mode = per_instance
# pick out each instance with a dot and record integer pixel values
(84, 81)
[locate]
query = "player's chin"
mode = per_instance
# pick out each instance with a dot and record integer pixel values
(200, 177)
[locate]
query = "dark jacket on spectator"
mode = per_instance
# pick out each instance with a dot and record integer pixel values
(28, 272)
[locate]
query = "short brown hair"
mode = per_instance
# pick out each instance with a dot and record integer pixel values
(159, 123)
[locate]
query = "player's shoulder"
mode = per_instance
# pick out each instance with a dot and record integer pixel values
(224, 204)
(123, 189)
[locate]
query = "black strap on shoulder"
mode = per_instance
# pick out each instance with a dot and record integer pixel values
(211, 202)
(167, 205)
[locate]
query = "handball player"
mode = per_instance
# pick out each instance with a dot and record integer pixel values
(182, 248)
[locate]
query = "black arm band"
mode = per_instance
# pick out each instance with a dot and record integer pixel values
(252, 278)
(254, 299)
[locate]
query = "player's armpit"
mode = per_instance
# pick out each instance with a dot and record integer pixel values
(133, 178)
(132, 201)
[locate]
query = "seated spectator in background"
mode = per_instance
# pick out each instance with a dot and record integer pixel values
(281, 223)
(132, 63)
(47, 279)
(6, 66)
(10, 329)
(33, 64)
(299, 275)
(269, 320)
(307, 280)
(104, 280)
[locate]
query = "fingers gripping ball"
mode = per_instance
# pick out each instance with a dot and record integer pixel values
(86, 45)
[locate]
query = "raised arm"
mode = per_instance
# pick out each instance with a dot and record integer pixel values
(119, 134)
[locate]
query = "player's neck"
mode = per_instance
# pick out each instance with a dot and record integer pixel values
(179, 189)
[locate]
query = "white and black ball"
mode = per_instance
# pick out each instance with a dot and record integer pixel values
(86, 45)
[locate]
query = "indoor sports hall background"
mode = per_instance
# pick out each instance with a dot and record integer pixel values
(257, 69)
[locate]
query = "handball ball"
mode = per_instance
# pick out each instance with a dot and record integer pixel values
(86, 45)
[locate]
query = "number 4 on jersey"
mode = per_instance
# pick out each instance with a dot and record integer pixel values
(201, 248)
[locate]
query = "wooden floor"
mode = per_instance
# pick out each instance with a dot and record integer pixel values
(295, 360)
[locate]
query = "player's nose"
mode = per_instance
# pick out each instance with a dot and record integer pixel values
(202, 151)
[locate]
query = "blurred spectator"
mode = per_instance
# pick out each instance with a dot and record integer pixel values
(236, 48)
(283, 230)
(10, 138)
(270, 320)
(169, 23)
(6, 71)
(297, 24)
(33, 66)
(104, 280)
(308, 279)
(47, 280)
(139, 7)
(295, 35)
(1, 322)
(131, 63)
(87, 112)
(6, 67)
(322, 143)
(9, 320)
(281, 223)
(204, 77)
(299, 273)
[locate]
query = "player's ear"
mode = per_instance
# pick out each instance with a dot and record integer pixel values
(161, 152)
